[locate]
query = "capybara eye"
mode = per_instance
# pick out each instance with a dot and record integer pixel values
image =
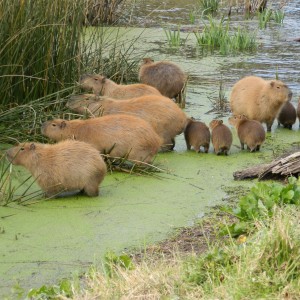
(278, 87)
(53, 124)
(22, 148)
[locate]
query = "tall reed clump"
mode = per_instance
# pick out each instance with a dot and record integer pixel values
(45, 49)
(216, 36)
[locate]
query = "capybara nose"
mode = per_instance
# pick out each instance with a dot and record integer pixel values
(84, 76)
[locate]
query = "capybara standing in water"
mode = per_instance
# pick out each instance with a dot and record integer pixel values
(63, 167)
(116, 135)
(197, 135)
(221, 137)
(287, 115)
(259, 99)
(106, 87)
(166, 118)
(165, 76)
(250, 132)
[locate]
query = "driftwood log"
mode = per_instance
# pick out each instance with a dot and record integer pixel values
(277, 169)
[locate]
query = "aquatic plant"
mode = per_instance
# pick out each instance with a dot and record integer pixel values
(220, 103)
(278, 16)
(264, 18)
(173, 37)
(209, 6)
(216, 36)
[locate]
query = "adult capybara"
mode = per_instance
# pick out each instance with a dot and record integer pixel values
(250, 132)
(165, 76)
(116, 135)
(221, 137)
(287, 115)
(62, 167)
(259, 99)
(106, 87)
(197, 135)
(166, 118)
(298, 111)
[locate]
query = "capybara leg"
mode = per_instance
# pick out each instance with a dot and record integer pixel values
(269, 126)
(206, 147)
(173, 143)
(188, 146)
(257, 147)
(92, 190)
(242, 146)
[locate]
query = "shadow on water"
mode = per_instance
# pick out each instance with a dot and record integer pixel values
(51, 239)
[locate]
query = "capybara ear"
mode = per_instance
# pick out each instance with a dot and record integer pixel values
(103, 79)
(272, 83)
(63, 124)
(32, 146)
(220, 121)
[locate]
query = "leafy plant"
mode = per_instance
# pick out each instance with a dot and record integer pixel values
(264, 18)
(259, 204)
(113, 261)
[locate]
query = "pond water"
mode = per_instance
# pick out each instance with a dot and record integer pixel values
(49, 240)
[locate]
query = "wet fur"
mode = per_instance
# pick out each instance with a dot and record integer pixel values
(166, 118)
(116, 135)
(65, 166)
(259, 99)
(106, 87)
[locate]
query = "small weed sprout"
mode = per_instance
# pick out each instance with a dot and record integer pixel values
(219, 103)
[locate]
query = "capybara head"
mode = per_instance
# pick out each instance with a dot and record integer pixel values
(280, 91)
(214, 123)
(21, 154)
(94, 82)
(54, 129)
(235, 120)
(147, 60)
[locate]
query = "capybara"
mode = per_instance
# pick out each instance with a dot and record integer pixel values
(165, 76)
(250, 132)
(115, 135)
(259, 99)
(106, 87)
(221, 137)
(63, 167)
(287, 115)
(197, 135)
(298, 111)
(166, 118)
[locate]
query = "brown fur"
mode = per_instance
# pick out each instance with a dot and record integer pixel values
(298, 111)
(165, 76)
(116, 135)
(250, 132)
(197, 135)
(66, 166)
(287, 116)
(106, 87)
(166, 118)
(221, 137)
(259, 99)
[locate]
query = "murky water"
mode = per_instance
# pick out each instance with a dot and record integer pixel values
(52, 239)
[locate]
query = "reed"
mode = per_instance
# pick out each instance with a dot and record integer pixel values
(209, 6)
(264, 18)
(173, 37)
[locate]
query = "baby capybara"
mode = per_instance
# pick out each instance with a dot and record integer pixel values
(165, 76)
(287, 115)
(259, 99)
(116, 135)
(63, 167)
(166, 118)
(221, 137)
(197, 135)
(106, 87)
(250, 132)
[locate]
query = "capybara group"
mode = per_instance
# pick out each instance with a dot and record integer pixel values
(287, 115)
(165, 76)
(221, 137)
(166, 118)
(197, 135)
(250, 132)
(63, 167)
(259, 99)
(115, 135)
(100, 85)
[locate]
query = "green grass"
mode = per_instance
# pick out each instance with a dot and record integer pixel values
(216, 36)
(174, 39)
(209, 7)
